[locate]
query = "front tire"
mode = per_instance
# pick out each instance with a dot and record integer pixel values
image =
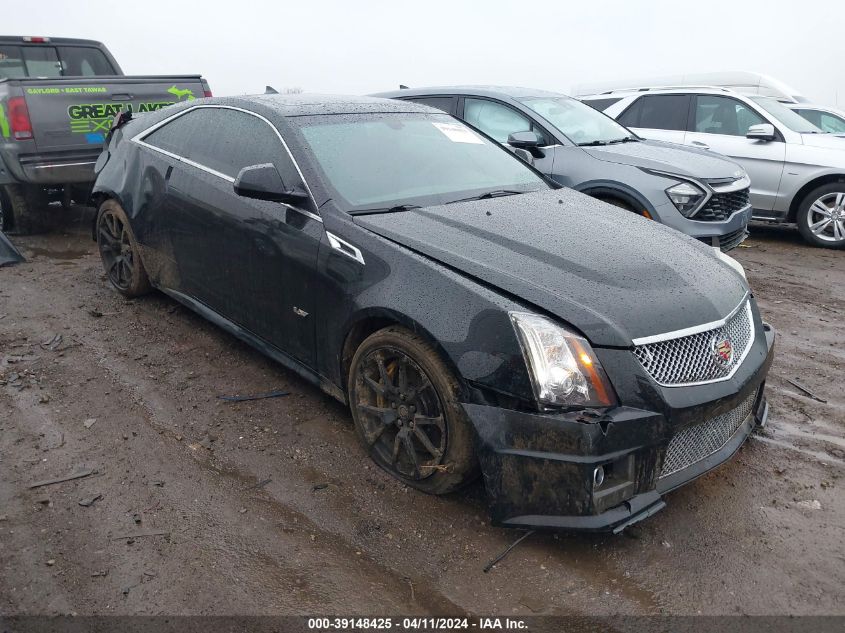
(119, 251)
(407, 413)
(821, 216)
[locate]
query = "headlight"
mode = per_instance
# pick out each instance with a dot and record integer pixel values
(564, 370)
(686, 197)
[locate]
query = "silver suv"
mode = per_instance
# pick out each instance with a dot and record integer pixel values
(797, 171)
(699, 193)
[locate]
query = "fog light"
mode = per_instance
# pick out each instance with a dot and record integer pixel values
(598, 476)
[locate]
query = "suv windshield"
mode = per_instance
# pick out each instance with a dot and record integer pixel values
(579, 122)
(391, 161)
(789, 118)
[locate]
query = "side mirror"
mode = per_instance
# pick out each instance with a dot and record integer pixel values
(263, 182)
(761, 132)
(524, 140)
(524, 154)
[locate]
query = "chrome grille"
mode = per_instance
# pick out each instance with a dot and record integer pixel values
(699, 441)
(692, 359)
(721, 206)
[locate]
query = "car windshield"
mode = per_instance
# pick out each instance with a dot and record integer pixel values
(789, 118)
(387, 161)
(579, 122)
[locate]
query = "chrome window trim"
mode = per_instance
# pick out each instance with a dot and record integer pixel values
(695, 329)
(345, 248)
(139, 139)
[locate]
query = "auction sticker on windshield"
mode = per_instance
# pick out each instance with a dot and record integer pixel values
(458, 133)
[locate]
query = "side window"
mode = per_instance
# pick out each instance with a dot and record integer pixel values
(495, 119)
(631, 116)
(813, 116)
(665, 112)
(602, 104)
(177, 135)
(223, 140)
(84, 61)
(232, 140)
(723, 115)
(441, 103)
(832, 124)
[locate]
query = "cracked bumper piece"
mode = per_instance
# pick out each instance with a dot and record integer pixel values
(579, 471)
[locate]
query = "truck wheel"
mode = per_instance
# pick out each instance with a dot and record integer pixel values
(821, 216)
(24, 209)
(5, 212)
(407, 415)
(119, 251)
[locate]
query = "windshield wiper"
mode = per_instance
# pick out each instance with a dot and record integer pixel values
(625, 139)
(394, 209)
(592, 143)
(497, 193)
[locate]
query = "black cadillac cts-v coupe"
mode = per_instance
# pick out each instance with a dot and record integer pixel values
(475, 317)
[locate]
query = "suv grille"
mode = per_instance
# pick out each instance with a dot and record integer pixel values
(701, 357)
(694, 443)
(732, 240)
(721, 206)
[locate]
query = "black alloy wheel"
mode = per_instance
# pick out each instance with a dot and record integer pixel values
(401, 413)
(119, 251)
(407, 412)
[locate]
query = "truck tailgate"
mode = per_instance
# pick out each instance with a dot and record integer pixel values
(74, 113)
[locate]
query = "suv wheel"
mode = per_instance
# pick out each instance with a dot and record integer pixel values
(821, 216)
(407, 414)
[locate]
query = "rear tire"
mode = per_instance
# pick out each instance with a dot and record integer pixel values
(119, 251)
(821, 216)
(407, 414)
(24, 209)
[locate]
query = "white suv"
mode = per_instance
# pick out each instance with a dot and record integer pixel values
(797, 171)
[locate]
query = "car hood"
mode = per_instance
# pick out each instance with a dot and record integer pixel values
(668, 157)
(611, 274)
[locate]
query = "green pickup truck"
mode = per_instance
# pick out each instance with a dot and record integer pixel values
(58, 97)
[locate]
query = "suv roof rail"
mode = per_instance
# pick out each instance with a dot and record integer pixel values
(649, 88)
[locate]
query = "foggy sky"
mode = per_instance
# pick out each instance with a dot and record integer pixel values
(368, 46)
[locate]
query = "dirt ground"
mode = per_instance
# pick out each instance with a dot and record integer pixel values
(270, 507)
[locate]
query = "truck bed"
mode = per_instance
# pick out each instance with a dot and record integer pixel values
(70, 116)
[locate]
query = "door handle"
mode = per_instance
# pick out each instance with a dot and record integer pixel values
(701, 145)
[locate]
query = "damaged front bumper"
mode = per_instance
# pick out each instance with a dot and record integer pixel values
(540, 470)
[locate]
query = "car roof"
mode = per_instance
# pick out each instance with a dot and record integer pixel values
(19, 39)
(481, 91)
(306, 104)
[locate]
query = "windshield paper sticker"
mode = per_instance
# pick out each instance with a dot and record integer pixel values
(457, 133)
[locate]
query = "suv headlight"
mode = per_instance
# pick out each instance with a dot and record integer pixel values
(686, 197)
(564, 369)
